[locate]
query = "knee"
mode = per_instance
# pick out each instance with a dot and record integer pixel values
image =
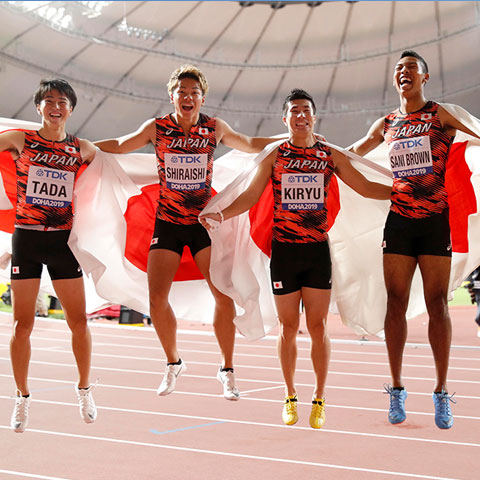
(437, 306)
(318, 329)
(22, 330)
(157, 301)
(289, 329)
(223, 301)
(78, 325)
(397, 301)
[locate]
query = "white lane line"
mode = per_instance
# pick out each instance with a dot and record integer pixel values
(247, 392)
(384, 377)
(239, 455)
(256, 399)
(31, 475)
(157, 347)
(203, 333)
(276, 384)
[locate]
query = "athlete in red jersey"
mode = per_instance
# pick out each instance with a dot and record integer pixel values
(419, 134)
(47, 162)
(184, 143)
(300, 170)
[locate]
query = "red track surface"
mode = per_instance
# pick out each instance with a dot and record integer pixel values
(196, 434)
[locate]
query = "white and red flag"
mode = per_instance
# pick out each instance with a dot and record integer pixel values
(115, 200)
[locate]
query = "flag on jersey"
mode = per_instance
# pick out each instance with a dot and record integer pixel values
(115, 200)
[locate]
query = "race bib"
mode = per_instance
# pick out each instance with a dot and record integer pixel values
(411, 157)
(302, 191)
(49, 187)
(186, 172)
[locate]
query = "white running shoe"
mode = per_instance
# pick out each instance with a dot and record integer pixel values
(19, 420)
(88, 410)
(227, 379)
(172, 372)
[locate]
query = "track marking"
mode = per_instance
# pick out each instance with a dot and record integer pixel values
(239, 455)
(156, 432)
(31, 475)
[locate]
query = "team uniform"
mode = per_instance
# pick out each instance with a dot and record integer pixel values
(185, 167)
(46, 172)
(418, 222)
(300, 250)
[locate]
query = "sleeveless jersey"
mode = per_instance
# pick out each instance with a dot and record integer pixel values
(418, 151)
(185, 168)
(300, 181)
(46, 172)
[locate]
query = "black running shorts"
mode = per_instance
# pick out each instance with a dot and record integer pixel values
(31, 249)
(172, 236)
(297, 265)
(417, 236)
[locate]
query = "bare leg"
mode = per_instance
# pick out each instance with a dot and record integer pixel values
(289, 318)
(161, 269)
(436, 275)
(224, 311)
(24, 295)
(398, 272)
(316, 308)
(71, 294)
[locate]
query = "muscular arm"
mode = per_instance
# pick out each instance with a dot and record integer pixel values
(87, 151)
(233, 139)
(250, 196)
(12, 141)
(372, 139)
(356, 181)
(451, 124)
(133, 141)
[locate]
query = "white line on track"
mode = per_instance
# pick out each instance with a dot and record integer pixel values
(238, 455)
(260, 424)
(31, 475)
(123, 346)
(255, 399)
(204, 333)
(276, 384)
(252, 367)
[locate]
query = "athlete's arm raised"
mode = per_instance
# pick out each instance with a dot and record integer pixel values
(87, 150)
(451, 124)
(372, 139)
(249, 197)
(12, 141)
(233, 139)
(356, 181)
(133, 141)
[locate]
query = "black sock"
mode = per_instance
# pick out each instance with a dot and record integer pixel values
(399, 388)
(25, 396)
(175, 363)
(226, 369)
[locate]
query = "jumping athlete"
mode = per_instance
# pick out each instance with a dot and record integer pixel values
(417, 232)
(300, 268)
(184, 143)
(47, 162)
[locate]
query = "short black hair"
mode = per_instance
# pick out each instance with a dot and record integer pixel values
(298, 94)
(62, 86)
(412, 53)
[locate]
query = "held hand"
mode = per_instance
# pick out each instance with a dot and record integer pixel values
(211, 221)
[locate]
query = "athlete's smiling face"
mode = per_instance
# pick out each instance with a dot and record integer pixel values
(187, 98)
(55, 108)
(409, 75)
(299, 117)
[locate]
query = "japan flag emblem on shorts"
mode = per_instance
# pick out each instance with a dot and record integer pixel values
(277, 285)
(16, 270)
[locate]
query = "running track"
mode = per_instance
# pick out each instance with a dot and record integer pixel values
(196, 434)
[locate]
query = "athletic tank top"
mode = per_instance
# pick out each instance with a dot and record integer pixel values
(46, 172)
(418, 151)
(184, 168)
(300, 181)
